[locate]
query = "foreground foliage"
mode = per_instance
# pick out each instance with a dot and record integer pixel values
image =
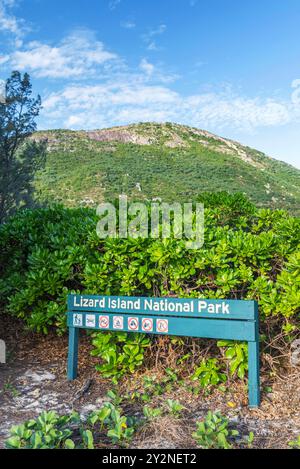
(295, 444)
(51, 431)
(214, 433)
(121, 352)
(108, 426)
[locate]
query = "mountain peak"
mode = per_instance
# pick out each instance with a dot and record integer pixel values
(172, 135)
(166, 160)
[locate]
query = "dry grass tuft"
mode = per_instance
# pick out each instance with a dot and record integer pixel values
(165, 432)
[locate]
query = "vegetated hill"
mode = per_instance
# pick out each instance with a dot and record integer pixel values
(169, 161)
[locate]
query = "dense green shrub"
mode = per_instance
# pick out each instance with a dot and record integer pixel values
(42, 254)
(121, 352)
(209, 373)
(249, 254)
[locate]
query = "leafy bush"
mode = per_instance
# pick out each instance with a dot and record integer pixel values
(174, 407)
(151, 413)
(48, 431)
(119, 427)
(51, 431)
(295, 444)
(232, 206)
(122, 352)
(213, 432)
(42, 254)
(209, 373)
(237, 355)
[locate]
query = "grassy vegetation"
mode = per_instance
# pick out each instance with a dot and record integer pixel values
(173, 163)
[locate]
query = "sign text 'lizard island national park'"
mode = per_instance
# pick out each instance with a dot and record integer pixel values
(190, 317)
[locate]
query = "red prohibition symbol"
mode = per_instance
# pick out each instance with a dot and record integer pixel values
(147, 324)
(162, 325)
(104, 322)
(133, 324)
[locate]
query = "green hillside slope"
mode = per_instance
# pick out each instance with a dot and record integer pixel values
(169, 161)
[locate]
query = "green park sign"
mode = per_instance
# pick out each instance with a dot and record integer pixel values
(190, 317)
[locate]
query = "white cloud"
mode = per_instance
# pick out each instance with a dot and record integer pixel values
(77, 55)
(4, 59)
(226, 109)
(152, 46)
(74, 121)
(157, 31)
(146, 67)
(149, 37)
(118, 94)
(129, 24)
(9, 23)
(296, 93)
(133, 99)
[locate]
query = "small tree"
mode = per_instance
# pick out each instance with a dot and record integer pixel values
(19, 157)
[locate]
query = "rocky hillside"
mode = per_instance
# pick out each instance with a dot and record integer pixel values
(169, 161)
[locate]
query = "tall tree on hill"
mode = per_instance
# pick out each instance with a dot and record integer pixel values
(20, 157)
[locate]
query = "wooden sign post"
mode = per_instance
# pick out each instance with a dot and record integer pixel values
(189, 317)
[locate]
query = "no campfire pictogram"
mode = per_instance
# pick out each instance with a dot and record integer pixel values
(147, 324)
(104, 322)
(162, 325)
(133, 324)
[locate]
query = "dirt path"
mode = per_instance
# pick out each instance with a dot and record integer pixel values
(34, 379)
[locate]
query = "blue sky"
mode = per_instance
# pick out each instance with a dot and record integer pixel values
(229, 67)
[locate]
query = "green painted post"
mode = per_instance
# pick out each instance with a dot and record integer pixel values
(253, 373)
(73, 353)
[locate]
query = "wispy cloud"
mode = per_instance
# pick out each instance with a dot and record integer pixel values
(146, 67)
(135, 97)
(76, 55)
(113, 4)
(4, 59)
(296, 92)
(10, 24)
(150, 37)
(128, 24)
